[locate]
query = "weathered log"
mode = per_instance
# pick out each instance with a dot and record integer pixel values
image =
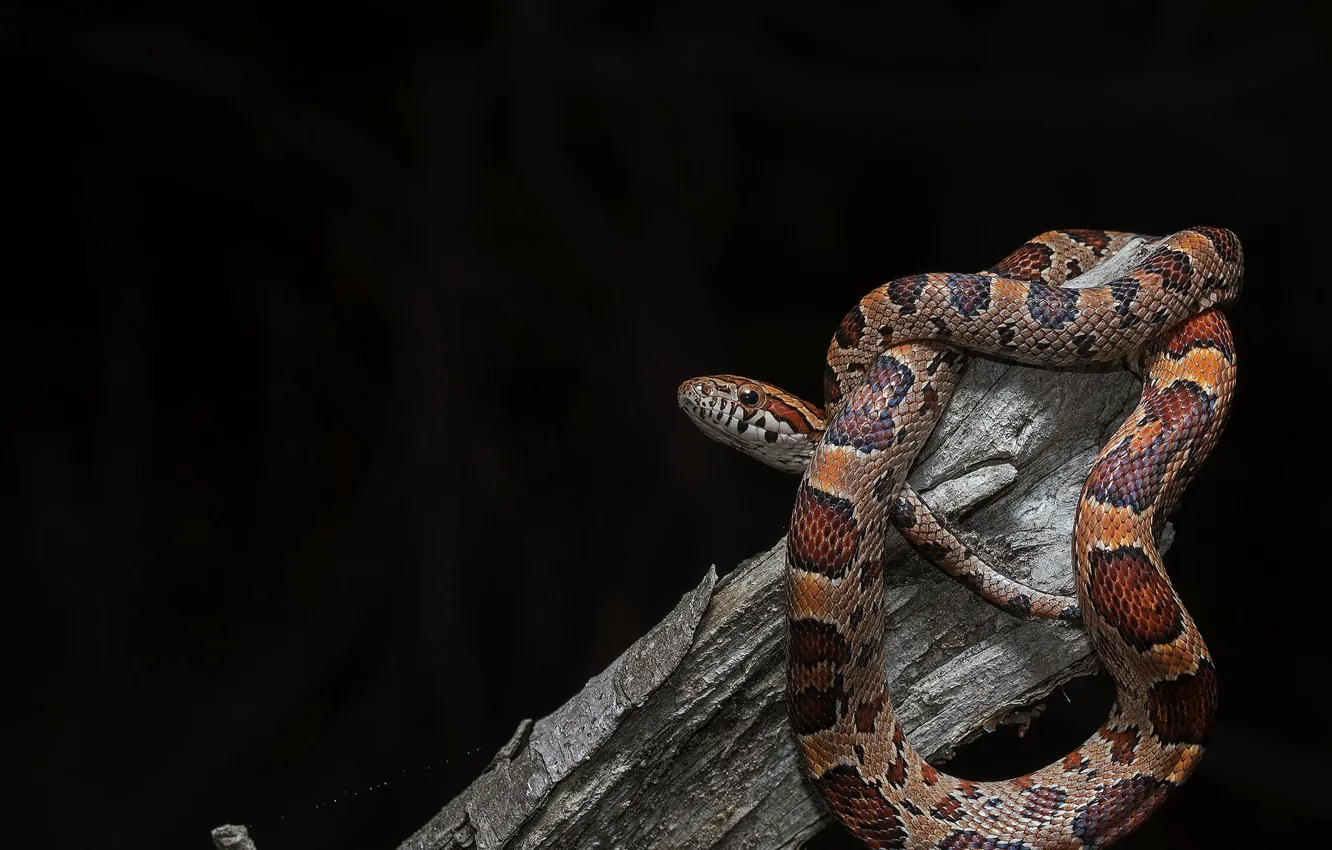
(684, 742)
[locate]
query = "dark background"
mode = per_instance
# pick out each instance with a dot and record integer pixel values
(344, 344)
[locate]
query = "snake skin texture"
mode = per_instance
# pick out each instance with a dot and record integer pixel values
(891, 369)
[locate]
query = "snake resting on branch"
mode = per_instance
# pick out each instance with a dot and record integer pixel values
(890, 371)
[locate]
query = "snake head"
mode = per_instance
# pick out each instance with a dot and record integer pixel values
(761, 420)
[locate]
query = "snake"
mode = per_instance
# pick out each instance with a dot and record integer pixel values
(890, 371)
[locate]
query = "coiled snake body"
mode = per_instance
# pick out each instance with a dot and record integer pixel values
(891, 369)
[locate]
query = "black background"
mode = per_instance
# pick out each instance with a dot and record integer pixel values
(344, 345)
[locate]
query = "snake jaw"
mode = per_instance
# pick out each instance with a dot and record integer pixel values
(743, 414)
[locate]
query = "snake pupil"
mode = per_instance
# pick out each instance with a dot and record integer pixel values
(749, 397)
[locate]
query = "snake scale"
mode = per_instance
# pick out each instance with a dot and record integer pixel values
(890, 371)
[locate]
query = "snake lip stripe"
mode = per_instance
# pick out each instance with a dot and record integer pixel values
(890, 371)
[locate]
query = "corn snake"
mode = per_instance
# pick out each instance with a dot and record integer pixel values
(890, 371)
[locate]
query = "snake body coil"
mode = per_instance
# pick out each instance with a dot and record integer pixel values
(891, 369)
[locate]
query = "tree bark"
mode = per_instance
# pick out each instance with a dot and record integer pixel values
(684, 742)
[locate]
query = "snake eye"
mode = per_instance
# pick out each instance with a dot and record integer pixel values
(749, 398)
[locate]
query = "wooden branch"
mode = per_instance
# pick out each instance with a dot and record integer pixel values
(232, 837)
(684, 742)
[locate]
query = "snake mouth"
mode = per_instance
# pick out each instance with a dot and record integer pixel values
(764, 437)
(723, 422)
(720, 415)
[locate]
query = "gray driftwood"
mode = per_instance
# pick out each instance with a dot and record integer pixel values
(683, 742)
(232, 837)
